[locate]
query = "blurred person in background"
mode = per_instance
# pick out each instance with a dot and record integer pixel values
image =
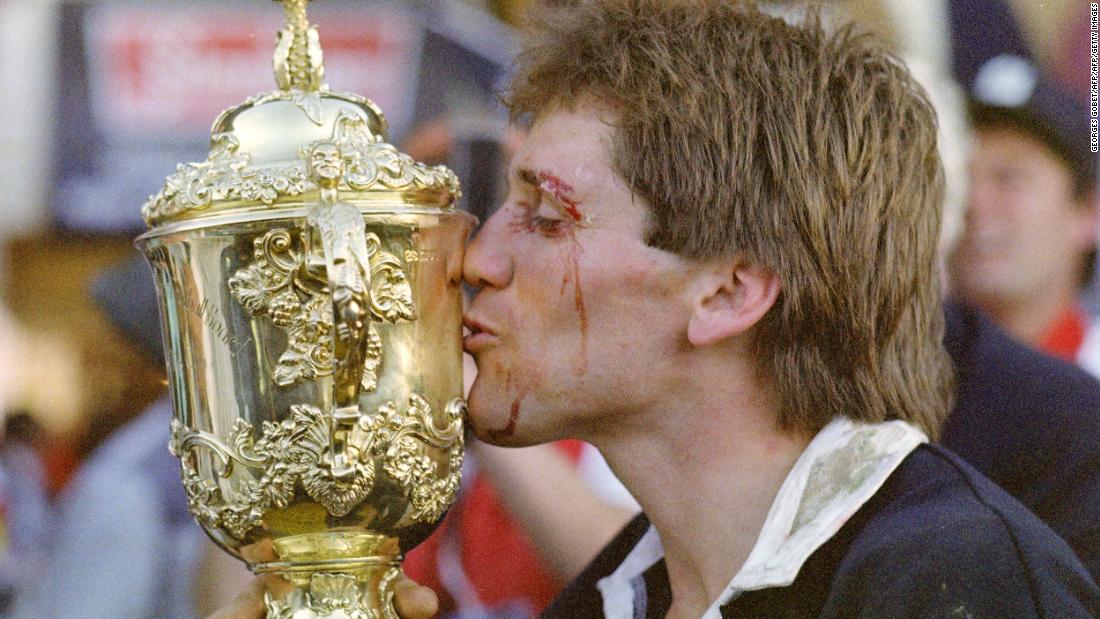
(1029, 242)
(125, 545)
(1029, 422)
(10, 352)
(25, 514)
(24, 506)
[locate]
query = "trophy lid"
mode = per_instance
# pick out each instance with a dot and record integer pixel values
(266, 152)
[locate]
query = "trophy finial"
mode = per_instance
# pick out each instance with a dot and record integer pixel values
(299, 62)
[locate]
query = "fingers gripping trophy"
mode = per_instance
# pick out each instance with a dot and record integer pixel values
(309, 279)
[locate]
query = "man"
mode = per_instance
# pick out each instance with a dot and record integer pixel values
(680, 275)
(1030, 236)
(716, 263)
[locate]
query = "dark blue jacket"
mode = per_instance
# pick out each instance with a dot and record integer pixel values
(937, 540)
(1031, 423)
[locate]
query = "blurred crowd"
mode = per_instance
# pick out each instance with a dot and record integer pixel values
(93, 520)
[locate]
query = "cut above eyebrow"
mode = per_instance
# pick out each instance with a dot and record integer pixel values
(545, 183)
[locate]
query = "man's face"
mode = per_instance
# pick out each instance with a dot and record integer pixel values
(1025, 233)
(576, 319)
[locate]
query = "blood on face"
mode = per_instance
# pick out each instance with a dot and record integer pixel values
(509, 429)
(560, 191)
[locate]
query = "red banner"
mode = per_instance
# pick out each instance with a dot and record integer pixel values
(166, 71)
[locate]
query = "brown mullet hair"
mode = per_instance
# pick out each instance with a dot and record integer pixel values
(807, 153)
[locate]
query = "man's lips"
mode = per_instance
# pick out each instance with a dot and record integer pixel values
(480, 336)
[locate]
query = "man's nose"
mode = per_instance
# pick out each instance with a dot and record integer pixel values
(488, 261)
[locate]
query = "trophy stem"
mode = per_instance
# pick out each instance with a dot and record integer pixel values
(336, 575)
(340, 589)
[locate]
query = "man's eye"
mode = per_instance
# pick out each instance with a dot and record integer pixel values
(528, 219)
(545, 225)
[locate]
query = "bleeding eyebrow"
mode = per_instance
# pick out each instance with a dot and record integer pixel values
(528, 176)
(555, 188)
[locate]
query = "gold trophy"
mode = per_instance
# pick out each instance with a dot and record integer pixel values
(309, 280)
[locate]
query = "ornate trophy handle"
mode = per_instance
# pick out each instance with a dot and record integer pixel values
(343, 241)
(339, 227)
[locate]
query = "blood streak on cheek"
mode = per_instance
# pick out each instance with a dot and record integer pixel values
(573, 272)
(510, 429)
(561, 191)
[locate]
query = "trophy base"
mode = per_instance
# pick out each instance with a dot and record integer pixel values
(332, 588)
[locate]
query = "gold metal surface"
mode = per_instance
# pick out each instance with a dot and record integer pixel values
(246, 169)
(309, 277)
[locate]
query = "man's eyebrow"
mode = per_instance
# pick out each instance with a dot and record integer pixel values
(528, 176)
(553, 187)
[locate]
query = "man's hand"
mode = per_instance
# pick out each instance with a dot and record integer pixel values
(250, 603)
(412, 600)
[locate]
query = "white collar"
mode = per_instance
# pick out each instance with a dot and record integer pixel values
(840, 470)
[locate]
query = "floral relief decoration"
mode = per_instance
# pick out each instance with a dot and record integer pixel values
(291, 453)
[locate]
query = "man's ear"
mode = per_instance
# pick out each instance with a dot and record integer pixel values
(730, 298)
